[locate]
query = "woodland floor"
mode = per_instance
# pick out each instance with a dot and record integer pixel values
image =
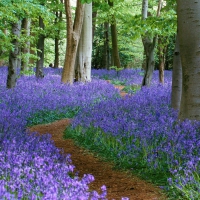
(119, 183)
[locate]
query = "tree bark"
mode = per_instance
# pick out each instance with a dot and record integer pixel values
(40, 51)
(26, 23)
(189, 42)
(149, 45)
(161, 49)
(115, 51)
(176, 78)
(13, 56)
(73, 36)
(57, 38)
(161, 56)
(84, 54)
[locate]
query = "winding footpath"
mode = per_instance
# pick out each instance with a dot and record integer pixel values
(119, 183)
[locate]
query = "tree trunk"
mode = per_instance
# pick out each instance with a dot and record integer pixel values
(189, 38)
(40, 51)
(84, 54)
(13, 56)
(161, 49)
(57, 53)
(56, 49)
(73, 36)
(176, 78)
(115, 51)
(106, 56)
(149, 45)
(26, 23)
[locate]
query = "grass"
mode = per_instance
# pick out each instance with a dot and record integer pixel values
(131, 88)
(108, 148)
(48, 116)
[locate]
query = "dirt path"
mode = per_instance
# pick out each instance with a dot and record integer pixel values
(119, 184)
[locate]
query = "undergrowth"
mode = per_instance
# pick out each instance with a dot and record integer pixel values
(48, 116)
(108, 149)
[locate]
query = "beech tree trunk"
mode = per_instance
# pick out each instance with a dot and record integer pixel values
(84, 54)
(73, 36)
(161, 49)
(189, 43)
(26, 23)
(40, 52)
(149, 45)
(115, 51)
(176, 78)
(13, 56)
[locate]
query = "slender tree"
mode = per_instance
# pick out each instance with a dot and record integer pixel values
(161, 49)
(73, 36)
(26, 23)
(13, 56)
(115, 51)
(188, 12)
(149, 43)
(161, 58)
(84, 54)
(40, 50)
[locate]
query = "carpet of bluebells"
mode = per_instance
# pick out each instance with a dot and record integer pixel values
(141, 132)
(31, 167)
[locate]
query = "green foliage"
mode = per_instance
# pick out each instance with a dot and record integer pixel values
(117, 82)
(15, 10)
(48, 116)
(117, 69)
(131, 89)
(28, 72)
(107, 147)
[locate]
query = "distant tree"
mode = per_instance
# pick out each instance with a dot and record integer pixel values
(14, 54)
(115, 51)
(149, 43)
(40, 50)
(106, 49)
(26, 23)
